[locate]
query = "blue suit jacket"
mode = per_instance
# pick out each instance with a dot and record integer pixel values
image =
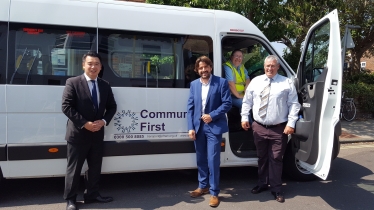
(217, 105)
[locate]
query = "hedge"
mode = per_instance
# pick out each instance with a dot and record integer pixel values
(367, 78)
(363, 94)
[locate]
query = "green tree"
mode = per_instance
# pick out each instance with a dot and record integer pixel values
(289, 20)
(360, 13)
(298, 17)
(182, 3)
(255, 10)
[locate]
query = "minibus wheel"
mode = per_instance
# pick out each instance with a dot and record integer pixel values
(1, 178)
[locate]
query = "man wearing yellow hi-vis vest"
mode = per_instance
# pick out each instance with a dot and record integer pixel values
(237, 77)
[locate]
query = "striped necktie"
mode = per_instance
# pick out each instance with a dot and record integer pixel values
(264, 100)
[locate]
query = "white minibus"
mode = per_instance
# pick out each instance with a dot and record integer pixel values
(147, 52)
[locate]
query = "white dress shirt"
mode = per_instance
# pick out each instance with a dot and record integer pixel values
(283, 104)
(204, 93)
(90, 86)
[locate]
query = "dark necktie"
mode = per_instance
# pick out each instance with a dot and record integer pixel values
(94, 95)
(264, 100)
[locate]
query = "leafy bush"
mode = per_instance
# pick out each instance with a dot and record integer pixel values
(363, 94)
(365, 77)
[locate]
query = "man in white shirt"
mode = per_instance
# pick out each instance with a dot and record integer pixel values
(274, 103)
(207, 105)
(89, 104)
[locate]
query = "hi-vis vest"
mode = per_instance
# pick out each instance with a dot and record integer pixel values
(239, 79)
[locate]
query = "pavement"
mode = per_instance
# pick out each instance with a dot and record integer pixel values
(358, 130)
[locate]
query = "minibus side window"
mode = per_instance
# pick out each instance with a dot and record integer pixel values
(47, 55)
(315, 60)
(254, 54)
(3, 51)
(138, 59)
(254, 60)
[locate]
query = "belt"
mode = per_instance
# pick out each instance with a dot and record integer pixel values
(272, 126)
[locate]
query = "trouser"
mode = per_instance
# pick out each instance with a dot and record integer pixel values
(237, 102)
(271, 144)
(76, 155)
(208, 152)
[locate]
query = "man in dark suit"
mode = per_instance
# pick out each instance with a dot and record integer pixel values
(208, 103)
(89, 104)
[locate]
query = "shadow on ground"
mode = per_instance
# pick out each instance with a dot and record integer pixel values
(348, 187)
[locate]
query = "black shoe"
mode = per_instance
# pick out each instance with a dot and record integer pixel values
(70, 205)
(99, 199)
(258, 189)
(278, 196)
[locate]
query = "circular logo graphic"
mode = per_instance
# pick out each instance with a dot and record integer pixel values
(130, 121)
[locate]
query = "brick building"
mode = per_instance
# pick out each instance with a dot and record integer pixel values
(367, 63)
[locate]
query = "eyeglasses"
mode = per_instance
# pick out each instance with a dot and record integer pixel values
(238, 56)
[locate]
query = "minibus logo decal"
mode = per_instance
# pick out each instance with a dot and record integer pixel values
(236, 30)
(149, 124)
(125, 114)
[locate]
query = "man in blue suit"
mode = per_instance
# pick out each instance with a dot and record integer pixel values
(208, 103)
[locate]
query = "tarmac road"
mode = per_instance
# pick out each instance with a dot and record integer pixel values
(349, 186)
(358, 130)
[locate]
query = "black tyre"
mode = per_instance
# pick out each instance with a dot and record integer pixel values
(336, 148)
(349, 111)
(1, 179)
(293, 170)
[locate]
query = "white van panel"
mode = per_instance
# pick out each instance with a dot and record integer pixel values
(39, 108)
(41, 128)
(35, 168)
(46, 122)
(34, 99)
(116, 16)
(2, 128)
(4, 10)
(62, 12)
(149, 162)
(2, 115)
(236, 24)
(153, 112)
(151, 98)
(2, 99)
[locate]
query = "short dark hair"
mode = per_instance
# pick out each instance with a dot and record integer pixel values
(205, 60)
(234, 51)
(91, 54)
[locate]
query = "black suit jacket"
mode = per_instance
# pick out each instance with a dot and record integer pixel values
(77, 105)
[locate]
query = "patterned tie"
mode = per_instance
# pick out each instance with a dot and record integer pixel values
(94, 95)
(264, 100)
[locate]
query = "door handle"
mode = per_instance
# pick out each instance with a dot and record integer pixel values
(331, 91)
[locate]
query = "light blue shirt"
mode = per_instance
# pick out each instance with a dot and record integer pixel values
(228, 73)
(283, 104)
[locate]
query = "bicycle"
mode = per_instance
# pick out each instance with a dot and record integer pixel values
(348, 108)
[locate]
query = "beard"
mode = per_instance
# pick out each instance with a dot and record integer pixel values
(205, 75)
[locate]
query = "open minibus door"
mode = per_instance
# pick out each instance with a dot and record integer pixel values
(319, 84)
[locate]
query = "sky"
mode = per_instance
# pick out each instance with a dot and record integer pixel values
(279, 47)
